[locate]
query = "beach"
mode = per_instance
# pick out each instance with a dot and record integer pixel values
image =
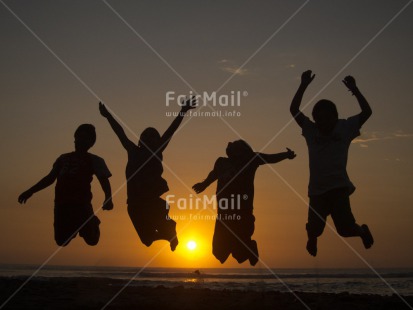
(98, 293)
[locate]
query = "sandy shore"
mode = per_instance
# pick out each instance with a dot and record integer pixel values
(95, 293)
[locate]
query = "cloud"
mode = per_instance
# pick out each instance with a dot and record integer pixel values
(403, 135)
(368, 137)
(235, 70)
(229, 66)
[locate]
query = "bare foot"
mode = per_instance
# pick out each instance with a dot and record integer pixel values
(366, 236)
(253, 256)
(173, 243)
(312, 246)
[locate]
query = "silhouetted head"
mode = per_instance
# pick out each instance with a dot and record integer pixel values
(150, 138)
(85, 137)
(239, 150)
(325, 115)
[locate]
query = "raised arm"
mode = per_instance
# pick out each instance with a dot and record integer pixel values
(306, 79)
(126, 143)
(366, 111)
(105, 184)
(185, 107)
(275, 158)
(42, 184)
(200, 187)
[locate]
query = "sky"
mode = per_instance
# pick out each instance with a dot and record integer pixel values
(60, 58)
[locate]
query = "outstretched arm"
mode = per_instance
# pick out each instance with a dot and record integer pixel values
(127, 144)
(105, 184)
(167, 136)
(200, 187)
(306, 79)
(43, 183)
(275, 158)
(366, 111)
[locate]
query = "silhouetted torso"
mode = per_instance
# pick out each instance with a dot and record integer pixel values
(144, 175)
(328, 155)
(74, 175)
(236, 178)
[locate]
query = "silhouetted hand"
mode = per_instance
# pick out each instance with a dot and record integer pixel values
(350, 83)
(25, 196)
(290, 154)
(199, 187)
(108, 204)
(103, 110)
(307, 78)
(189, 104)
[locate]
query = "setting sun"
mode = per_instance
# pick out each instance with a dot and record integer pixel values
(191, 245)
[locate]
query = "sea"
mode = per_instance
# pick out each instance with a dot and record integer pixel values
(354, 281)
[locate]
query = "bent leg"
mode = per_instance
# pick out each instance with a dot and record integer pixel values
(90, 232)
(345, 222)
(342, 216)
(221, 242)
(317, 215)
(64, 228)
(244, 247)
(165, 226)
(166, 230)
(142, 225)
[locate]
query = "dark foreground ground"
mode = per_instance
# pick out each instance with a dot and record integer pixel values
(98, 293)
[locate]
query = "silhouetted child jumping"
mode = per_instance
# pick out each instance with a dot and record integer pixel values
(147, 210)
(328, 139)
(73, 212)
(234, 224)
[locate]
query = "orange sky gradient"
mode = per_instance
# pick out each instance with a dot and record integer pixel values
(43, 103)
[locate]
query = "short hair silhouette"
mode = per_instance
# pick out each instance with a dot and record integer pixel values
(86, 133)
(324, 106)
